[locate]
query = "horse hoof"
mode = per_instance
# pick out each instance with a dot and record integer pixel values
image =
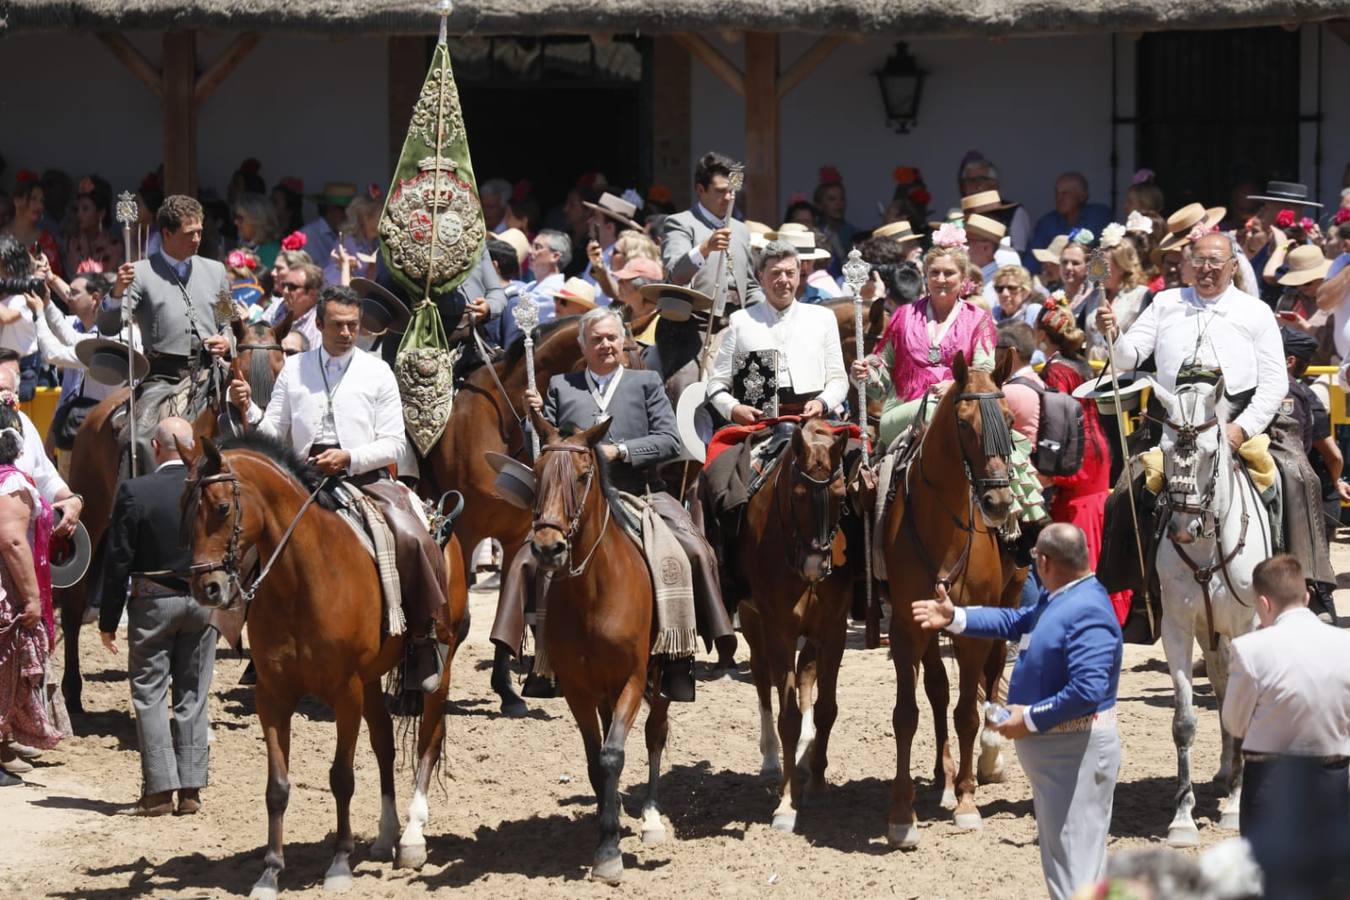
(1229, 821)
(610, 871)
(337, 884)
(515, 708)
(262, 893)
(785, 821)
(384, 852)
(906, 837)
(412, 856)
(948, 799)
(969, 821)
(1183, 836)
(652, 836)
(771, 774)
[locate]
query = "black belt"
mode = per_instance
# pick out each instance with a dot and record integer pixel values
(791, 403)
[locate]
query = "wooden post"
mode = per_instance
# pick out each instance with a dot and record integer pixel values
(409, 56)
(180, 112)
(761, 126)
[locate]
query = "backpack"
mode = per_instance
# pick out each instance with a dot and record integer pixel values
(1060, 437)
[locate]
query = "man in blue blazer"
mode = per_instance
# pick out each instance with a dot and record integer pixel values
(1062, 701)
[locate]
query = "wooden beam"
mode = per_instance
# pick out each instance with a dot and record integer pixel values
(133, 59)
(179, 79)
(761, 126)
(228, 62)
(714, 59)
(1340, 28)
(816, 54)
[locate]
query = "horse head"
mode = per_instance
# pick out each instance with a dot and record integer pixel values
(217, 524)
(813, 473)
(984, 434)
(258, 359)
(1193, 447)
(565, 475)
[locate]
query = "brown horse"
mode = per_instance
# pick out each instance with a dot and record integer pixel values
(600, 625)
(795, 517)
(943, 528)
(315, 629)
(94, 473)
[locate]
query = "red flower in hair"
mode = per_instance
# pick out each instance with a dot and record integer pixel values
(794, 199)
(292, 184)
(1285, 219)
(1307, 224)
(906, 174)
(374, 191)
(1342, 216)
(26, 176)
(830, 175)
(521, 189)
(296, 240)
(920, 197)
(86, 186)
(89, 266)
(658, 193)
(250, 166)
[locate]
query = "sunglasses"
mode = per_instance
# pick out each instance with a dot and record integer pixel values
(1000, 288)
(292, 287)
(290, 351)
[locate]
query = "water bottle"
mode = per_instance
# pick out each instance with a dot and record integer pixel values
(995, 714)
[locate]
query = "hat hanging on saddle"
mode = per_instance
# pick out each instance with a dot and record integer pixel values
(381, 311)
(1099, 388)
(900, 232)
(515, 480)
(70, 557)
(106, 361)
(1306, 263)
(674, 302)
(1288, 193)
(616, 208)
(1189, 224)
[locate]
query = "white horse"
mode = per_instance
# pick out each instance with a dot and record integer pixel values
(1216, 534)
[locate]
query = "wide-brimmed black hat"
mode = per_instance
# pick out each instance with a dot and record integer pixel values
(381, 310)
(106, 361)
(1290, 192)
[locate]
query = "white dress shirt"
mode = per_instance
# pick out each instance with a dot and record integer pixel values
(1235, 333)
(21, 334)
(33, 460)
(1289, 688)
(810, 359)
(367, 410)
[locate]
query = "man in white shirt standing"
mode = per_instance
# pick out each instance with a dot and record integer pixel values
(1288, 703)
(340, 407)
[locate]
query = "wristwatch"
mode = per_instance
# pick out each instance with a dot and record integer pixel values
(623, 451)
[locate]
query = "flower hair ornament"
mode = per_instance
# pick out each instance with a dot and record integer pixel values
(906, 175)
(830, 175)
(1082, 236)
(920, 197)
(1112, 235)
(1285, 219)
(520, 191)
(296, 240)
(658, 193)
(949, 236)
(86, 186)
(1138, 223)
(1144, 176)
(242, 259)
(795, 198)
(1342, 216)
(1055, 300)
(374, 191)
(9, 398)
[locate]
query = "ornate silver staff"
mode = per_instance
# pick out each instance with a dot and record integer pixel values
(855, 276)
(735, 180)
(1097, 270)
(128, 214)
(526, 314)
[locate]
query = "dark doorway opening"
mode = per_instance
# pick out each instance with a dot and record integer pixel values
(1218, 109)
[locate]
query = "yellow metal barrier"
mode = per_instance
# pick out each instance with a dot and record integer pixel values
(42, 408)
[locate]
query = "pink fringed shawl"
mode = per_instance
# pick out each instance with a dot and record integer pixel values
(907, 336)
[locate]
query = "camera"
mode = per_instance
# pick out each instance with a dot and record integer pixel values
(22, 284)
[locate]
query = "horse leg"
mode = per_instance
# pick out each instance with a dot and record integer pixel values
(989, 766)
(342, 782)
(412, 846)
(771, 766)
(608, 864)
(827, 706)
(971, 659)
(658, 726)
(275, 718)
(381, 729)
(72, 616)
(1178, 634)
(1230, 761)
(938, 689)
(789, 732)
(903, 829)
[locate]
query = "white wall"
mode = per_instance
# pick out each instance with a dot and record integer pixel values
(314, 108)
(1335, 112)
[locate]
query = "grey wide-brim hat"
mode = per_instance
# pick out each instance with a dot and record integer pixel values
(106, 361)
(515, 480)
(70, 557)
(381, 311)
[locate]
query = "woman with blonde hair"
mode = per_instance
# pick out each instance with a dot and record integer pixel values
(628, 245)
(356, 253)
(256, 219)
(1012, 287)
(1125, 288)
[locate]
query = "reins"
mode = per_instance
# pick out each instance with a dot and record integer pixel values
(824, 533)
(576, 514)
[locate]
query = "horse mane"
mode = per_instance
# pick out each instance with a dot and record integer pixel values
(261, 378)
(287, 458)
(617, 509)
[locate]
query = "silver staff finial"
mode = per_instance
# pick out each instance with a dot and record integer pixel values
(736, 180)
(127, 211)
(526, 314)
(856, 272)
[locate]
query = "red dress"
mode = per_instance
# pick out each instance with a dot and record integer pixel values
(1080, 498)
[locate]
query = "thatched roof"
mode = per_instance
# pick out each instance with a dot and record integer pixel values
(899, 17)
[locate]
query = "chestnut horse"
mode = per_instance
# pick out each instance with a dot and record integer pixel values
(95, 468)
(943, 528)
(795, 517)
(315, 626)
(600, 625)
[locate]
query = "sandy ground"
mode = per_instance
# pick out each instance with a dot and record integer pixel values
(513, 816)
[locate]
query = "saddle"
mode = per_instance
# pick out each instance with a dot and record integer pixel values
(159, 397)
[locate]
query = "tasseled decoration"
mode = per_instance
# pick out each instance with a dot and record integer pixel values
(997, 441)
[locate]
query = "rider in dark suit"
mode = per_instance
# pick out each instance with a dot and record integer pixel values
(641, 437)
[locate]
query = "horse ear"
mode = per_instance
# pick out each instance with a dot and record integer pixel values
(211, 461)
(1003, 369)
(237, 326)
(189, 454)
(596, 433)
(959, 370)
(548, 433)
(1165, 397)
(282, 328)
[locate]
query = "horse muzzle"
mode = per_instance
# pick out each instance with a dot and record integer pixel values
(550, 550)
(1185, 529)
(996, 505)
(816, 565)
(214, 590)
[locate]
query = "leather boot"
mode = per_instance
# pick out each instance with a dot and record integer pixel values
(151, 805)
(537, 687)
(677, 679)
(429, 662)
(189, 801)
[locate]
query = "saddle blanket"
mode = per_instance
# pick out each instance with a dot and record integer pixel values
(363, 516)
(672, 580)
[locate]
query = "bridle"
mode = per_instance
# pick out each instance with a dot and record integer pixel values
(574, 509)
(276, 347)
(823, 531)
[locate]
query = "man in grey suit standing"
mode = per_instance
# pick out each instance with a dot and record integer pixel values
(693, 242)
(641, 437)
(173, 295)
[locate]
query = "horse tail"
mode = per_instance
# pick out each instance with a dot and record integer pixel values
(261, 379)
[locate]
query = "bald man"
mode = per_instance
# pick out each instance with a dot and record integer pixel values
(171, 644)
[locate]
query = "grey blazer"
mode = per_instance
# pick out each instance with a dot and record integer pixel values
(686, 230)
(166, 318)
(644, 421)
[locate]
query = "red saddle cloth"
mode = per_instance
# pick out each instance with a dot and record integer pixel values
(732, 435)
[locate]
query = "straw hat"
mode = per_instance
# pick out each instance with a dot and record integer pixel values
(801, 239)
(335, 193)
(106, 361)
(1185, 221)
(578, 292)
(897, 231)
(1050, 255)
(1306, 263)
(381, 310)
(616, 208)
(517, 241)
(985, 228)
(983, 202)
(674, 302)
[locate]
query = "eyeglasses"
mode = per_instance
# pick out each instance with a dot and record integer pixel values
(1000, 288)
(290, 351)
(1210, 262)
(292, 287)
